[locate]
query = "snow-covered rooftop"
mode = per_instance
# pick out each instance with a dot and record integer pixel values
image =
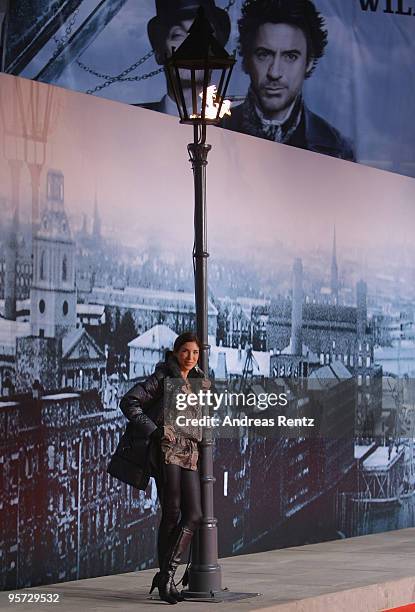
(362, 449)
(340, 370)
(379, 459)
(60, 396)
(90, 309)
(157, 337)
(397, 360)
(70, 339)
(143, 298)
(406, 350)
(328, 376)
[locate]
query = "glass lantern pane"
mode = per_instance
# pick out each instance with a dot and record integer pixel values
(180, 93)
(214, 84)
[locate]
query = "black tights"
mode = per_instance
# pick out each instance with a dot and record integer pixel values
(179, 496)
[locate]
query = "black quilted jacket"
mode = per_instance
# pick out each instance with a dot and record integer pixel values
(143, 405)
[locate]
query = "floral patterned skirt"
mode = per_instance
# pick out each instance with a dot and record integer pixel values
(183, 451)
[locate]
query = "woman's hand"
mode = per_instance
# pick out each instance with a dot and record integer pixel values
(206, 384)
(169, 433)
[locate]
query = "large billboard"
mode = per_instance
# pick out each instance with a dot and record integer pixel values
(311, 275)
(331, 76)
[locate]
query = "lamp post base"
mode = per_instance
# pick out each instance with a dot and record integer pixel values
(216, 596)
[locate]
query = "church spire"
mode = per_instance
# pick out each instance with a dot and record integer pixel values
(53, 290)
(10, 269)
(334, 273)
(96, 226)
(84, 230)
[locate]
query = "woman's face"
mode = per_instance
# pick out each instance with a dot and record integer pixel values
(187, 356)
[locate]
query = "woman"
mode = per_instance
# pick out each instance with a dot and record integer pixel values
(173, 453)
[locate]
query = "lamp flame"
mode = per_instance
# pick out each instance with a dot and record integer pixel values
(212, 105)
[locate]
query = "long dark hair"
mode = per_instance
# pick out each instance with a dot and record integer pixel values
(186, 337)
(300, 13)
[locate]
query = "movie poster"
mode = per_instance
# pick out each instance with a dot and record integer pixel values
(330, 76)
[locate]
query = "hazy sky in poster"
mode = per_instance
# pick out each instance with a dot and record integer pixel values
(260, 195)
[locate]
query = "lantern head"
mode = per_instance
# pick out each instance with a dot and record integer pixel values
(198, 73)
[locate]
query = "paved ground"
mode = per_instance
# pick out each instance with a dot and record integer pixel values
(365, 574)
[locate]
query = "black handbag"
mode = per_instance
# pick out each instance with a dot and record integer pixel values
(130, 460)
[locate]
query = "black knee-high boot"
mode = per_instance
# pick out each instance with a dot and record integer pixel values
(163, 542)
(181, 539)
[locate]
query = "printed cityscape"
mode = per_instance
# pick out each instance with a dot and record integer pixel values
(84, 316)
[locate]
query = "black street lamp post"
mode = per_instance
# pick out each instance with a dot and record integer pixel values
(199, 61)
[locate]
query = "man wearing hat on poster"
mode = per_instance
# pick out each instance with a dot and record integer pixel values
(169, 28)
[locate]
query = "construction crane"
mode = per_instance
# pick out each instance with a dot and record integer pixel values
(248, 369)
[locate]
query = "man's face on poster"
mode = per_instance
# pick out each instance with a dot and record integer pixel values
(277, 66)
(175, 36)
